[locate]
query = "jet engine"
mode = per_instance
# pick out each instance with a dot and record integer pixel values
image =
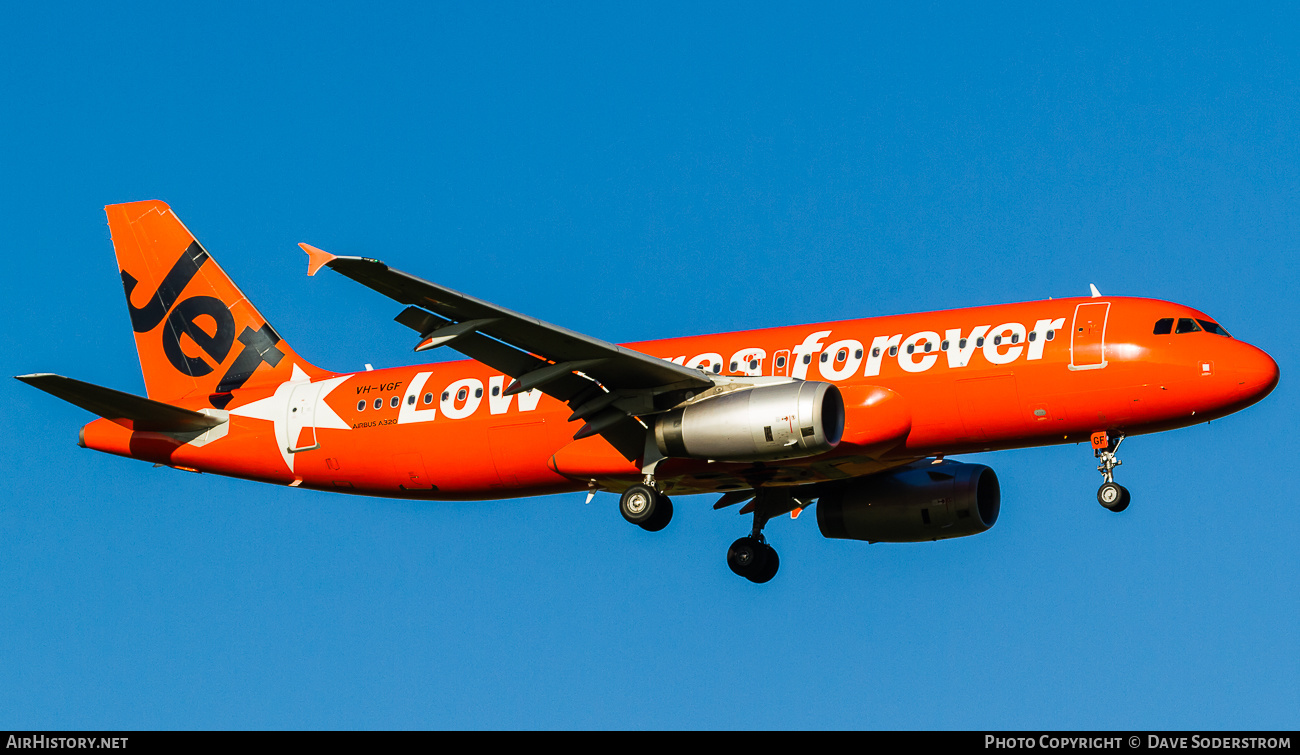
(763, 423)
(919, 502)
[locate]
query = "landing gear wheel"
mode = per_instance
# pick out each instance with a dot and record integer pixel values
(1113, 496)
(747, 556)
(769, 567)
(663, 514)
(638, 504)
(753, 559)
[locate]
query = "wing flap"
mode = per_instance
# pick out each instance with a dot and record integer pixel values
(126, 409)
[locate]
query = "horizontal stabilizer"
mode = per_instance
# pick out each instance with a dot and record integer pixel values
(126, 409)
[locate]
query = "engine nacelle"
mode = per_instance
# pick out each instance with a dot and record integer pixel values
(919, 502)
(764, 423)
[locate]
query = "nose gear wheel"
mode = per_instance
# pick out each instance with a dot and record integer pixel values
(1113, 496)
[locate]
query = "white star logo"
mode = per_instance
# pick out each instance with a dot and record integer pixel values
(276, 409)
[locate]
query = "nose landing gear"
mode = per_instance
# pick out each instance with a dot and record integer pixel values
(1111, 495)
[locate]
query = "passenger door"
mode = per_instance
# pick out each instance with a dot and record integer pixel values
(302, 417)
(1088, 336)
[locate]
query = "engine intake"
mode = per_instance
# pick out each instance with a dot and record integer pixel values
(764, 423)
(919, 502)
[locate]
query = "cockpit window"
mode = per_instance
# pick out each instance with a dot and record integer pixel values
(1164, 327)
(1214, 327)
(1187, 325)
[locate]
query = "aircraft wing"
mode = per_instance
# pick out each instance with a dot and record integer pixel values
(607, 385)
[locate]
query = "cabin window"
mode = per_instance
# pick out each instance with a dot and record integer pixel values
(997, 340)
(979, 342)
(1051, 334)
(825, 356)
(734, 366)
(928, 346)
(445, 395)
(961, 344)
(944, 346)
(1033, 336)
(361, 405)
(1187, 325)
(875, 352)
(717, 368)
(394, 401)
(857, 354)
(410, 400)
(841, 355)
(428, 398)
(379, 403)
(893, 351)
(478, 393)
(780, 361)
(753, 364)
(462, 394)
(1213, 327)
(1164, 327)
(911, 347)
(496, 390)
(1015, 338)
(807, 358)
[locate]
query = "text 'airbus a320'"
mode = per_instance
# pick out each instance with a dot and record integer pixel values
(858, 416)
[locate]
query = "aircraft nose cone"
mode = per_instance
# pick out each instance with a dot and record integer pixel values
(1255, 373)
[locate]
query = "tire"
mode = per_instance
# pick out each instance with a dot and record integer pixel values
(662, 515)
(1112, 495)
(1123, 500)
(771, 563)
(638, 504)
(747, 556)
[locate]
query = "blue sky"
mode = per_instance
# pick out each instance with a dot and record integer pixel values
(641, 172)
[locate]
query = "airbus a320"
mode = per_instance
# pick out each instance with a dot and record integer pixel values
(859, 416)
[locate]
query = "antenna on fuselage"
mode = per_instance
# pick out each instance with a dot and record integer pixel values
(1095, 292)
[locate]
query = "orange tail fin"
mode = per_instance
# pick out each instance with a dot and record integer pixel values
(196, 333)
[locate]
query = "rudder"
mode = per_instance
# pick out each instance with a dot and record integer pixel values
(195, 332)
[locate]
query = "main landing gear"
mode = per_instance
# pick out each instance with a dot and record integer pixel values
(644, 506)
(1111, 494)
(750, 556)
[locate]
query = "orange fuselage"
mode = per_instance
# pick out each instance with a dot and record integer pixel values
(964, 380)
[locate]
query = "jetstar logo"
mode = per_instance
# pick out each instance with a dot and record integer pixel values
(180, 319)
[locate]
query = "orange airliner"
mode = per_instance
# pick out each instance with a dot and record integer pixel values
(858, 415)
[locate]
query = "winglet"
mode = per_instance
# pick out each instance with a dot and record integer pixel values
(1095, 292)
(317, 258)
